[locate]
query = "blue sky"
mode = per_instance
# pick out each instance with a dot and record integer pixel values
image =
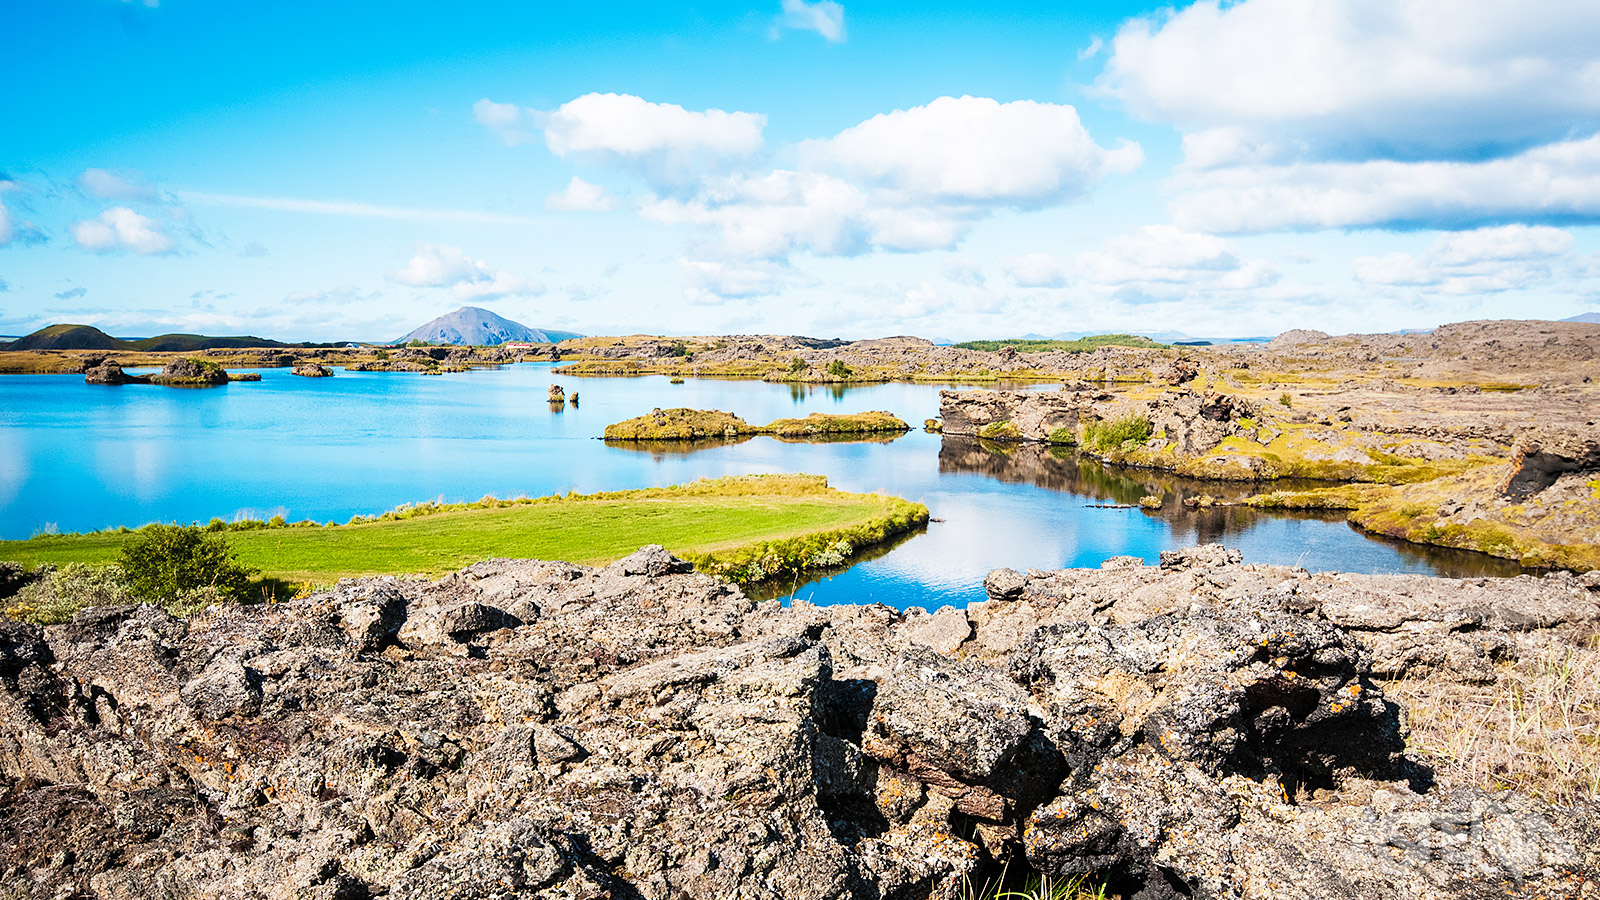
(322, 171)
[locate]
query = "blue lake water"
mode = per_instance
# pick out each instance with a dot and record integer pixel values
(79, 457)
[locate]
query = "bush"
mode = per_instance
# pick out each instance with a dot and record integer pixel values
(1063, 436)
(798, 365)
(58, 593)
(166, 564)
(1105, 436)
(838, 369)
(1285, 400)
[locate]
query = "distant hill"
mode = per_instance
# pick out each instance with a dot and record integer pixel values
(180, 343)
(1590, 317)
(1080, 345)
(88, 337)
(477, 326)
(69, 337)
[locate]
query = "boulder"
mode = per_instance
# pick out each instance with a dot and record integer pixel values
(312, 370)
(190, 372)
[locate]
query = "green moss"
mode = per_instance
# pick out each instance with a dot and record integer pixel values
(1003, 430)
(875, 422)
(1063, 436)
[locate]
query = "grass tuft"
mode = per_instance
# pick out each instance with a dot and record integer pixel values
(1535, 729)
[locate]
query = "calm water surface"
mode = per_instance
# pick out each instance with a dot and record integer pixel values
(78, 457)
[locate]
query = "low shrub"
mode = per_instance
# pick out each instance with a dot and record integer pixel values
(1110, 435)
(1063, 436)
(1004, 430)
(165, 564)
(838, 369)
(59, 592)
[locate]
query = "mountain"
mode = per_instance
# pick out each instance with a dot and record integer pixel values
(69, 337)
(1590, 317)
(472, 325)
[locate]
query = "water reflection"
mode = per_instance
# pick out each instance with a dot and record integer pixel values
(1060, 469)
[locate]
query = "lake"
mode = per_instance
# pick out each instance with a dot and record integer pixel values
(79, 457)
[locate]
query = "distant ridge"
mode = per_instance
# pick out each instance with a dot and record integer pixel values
(1592, 318)
(480, 327)
(88, 337)
(69, 337)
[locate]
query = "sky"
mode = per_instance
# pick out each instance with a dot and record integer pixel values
(348, 171)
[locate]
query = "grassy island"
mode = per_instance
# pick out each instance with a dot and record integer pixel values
(683, 424)
(745, 528)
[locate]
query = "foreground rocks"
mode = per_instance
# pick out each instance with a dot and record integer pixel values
(538, 729)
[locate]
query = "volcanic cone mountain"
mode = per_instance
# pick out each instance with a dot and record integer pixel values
(477, 326)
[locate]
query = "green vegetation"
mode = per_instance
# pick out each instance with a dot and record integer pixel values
(61, 591)
(682, 424)
(1110, 435)
(737, 525)
(165, 562)
(875, 422)
(1285, 400)
(1063, 436)
(1081, 345)
(837, 369)
(798, 365)
(679, 424)
(1004, 430)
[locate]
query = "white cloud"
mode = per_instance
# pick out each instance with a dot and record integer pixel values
(1034, 270)
(962, 270)
(1353, 79)
(108, 186)
(1487, 260)
(1554, 183)
(120, 228)
(359, 210)
(975, 149)
(1161, 261)
(580, 196)
(668, 144)
(432, 265)
(13, 230)
(713, 282)
(503, 119)
(1311, 114)
(825, 17)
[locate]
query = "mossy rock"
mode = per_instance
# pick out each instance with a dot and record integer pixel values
(679, 424)
(875, 422)
(1004, 430)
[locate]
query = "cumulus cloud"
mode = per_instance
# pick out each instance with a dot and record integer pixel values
(1391, 113)
(580, 196)
(825, 17)
(71, 294)
(666, 143)
(1353, 79)
(1483, 261)
(432, 265)
(912, 180)
(111, 186)
(1034, 270)
(976, 149)
(1554, 183)
(1161, 261)
(121, 229)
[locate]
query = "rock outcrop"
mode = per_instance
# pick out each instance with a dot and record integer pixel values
(536, 729)
(190, 372)
(312, 370)
(110, 372)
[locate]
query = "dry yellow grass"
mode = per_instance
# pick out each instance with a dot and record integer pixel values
(1536, 728)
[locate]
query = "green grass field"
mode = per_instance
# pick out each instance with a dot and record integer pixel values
(705, 519)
